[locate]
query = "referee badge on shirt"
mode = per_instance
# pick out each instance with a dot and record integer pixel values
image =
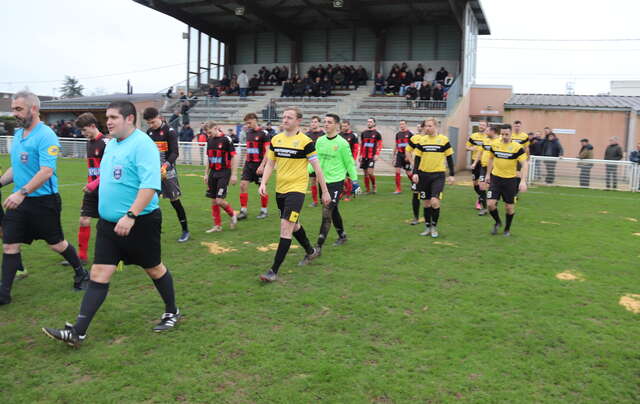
(24, 157)
(117, 172)
(53, 150)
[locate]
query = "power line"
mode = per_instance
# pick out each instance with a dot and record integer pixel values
(560, 40)
(559, 49)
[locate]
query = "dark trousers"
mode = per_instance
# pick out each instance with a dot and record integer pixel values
(550, 167)
(585, 175)
(612, 176)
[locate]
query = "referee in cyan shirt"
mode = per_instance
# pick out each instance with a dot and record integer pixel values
(130, 221)
(33, 209)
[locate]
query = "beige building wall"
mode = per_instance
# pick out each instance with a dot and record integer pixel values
(460, 119)
(489, 98)
(597, 126)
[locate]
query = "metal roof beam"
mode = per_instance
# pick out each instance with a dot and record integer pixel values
(320, 11)
(456, 13)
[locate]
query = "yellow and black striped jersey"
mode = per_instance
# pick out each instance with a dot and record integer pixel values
(413, 141)
(433, 152)
(486, 149)
(521, 138)
(291, 154)
(506, 157)
(475, 140)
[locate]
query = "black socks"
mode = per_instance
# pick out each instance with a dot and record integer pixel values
(182, 215)
(495, 215)
(507, 226)
(91, 302)
(10, 265)
(301, 236)
(337, 221)
(435, 215)
(164, 285)
(427, 217)
(281, 253)
(415, 204)
(72, 258)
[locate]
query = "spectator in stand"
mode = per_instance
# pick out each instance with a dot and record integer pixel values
(441, 75)
(430, 76)
(311, 73)
(263, 74)
(339, 78)
(192, 100)
(169, 93)
(315, 88)
(535, 149)
(395, 72)
(243, 84)
(378, 84)
(438, 93)
(225, 83)
(284, 74)
(425, 91)
(270, 129)
(287, 89)
(233, 85)
(411, 94)
(361, 76)
(551, 147)
(404, 83)
(586, 153)
(186, 134)
(307, 82)
(273, 76)
(232, 135)
(201, 141)
(612, 152)
(213, 91)
(299, 88)
(634, 157)
(174, 120)
(418, 75)
(393, 85)
(404, 68)
(325, 88)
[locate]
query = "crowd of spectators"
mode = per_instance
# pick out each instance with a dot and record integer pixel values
(419, 84)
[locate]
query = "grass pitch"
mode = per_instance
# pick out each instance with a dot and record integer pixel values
(390, 317)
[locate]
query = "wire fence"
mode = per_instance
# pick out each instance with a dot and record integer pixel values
(593, 174)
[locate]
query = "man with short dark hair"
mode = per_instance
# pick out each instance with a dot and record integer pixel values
(166, 140)
(370, 147)
(291, 150)
(354, 144)
(257, 146)
(400, 156)
(130, 222)
(186, 133)
(551, 147)
(586, 153)
(612, 152)
(33, 209)
(314, 132)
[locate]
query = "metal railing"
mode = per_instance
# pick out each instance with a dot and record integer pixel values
(593, 174)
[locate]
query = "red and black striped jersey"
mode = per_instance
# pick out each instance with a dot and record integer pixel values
(95, 151)
(370, 143)
(402, 140)
(220, 151)
(167, 141)
(257, 141)
(352, 139)
(314, 135)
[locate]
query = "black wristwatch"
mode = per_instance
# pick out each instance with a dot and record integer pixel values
(24, 191)
(132, 215)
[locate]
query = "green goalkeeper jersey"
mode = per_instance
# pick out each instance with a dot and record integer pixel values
(335, 159)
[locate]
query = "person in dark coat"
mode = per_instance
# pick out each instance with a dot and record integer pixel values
(551, 147)
(612, 152)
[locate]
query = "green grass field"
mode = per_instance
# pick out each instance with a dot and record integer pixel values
(390, 317)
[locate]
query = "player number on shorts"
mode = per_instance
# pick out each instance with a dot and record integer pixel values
(489, 194)
(335, 196)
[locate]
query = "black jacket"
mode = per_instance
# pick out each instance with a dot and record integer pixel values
(613, 152)
(551, 148)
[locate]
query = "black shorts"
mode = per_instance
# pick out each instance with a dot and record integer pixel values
(401, 162)
(367, 163)
(507, 188)
(1, 210)
(37, 218)
(430, 185)
(170, 186)
(475, 173)
(482, 174)
(312, 175)
(217, 184)
(250, 172)
(90, 205)
(335, 192)
(141, 247)
(290, 205)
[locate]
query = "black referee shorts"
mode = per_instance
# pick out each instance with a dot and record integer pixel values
(290, 205)
(90, 205)
(505, 188)
(37, 218)
(430, 185)
(141, 247)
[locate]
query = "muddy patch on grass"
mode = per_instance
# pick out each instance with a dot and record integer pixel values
(631, 219)
(630, 302)
(570, 275)
(216, 248)
(271, 247)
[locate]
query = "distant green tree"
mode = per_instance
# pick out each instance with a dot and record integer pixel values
(71, 87)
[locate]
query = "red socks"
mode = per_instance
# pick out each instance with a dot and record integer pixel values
(215, 211)
(264, 201)
(366, 182)
(348, 187)
(373, 181)
(314, 193)
(229, 210)
(84, 233)
(398, 178)
(244, 199)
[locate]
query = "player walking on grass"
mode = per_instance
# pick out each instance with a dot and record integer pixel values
(314, 132)
(167, 141)
(336, 162)
(474, 145)
(257, 147)
(33, 209)
(370, 146)
(222, 168)
(489, 138)
(289, 153)
(130, 222)
(400, 156)
(502, 177)
(352, 139)
(430, 154)
(415, 194)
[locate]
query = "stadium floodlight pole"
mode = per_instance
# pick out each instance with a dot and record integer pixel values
(187, 36)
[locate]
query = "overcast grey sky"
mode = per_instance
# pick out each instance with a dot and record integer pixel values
(104, 43)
